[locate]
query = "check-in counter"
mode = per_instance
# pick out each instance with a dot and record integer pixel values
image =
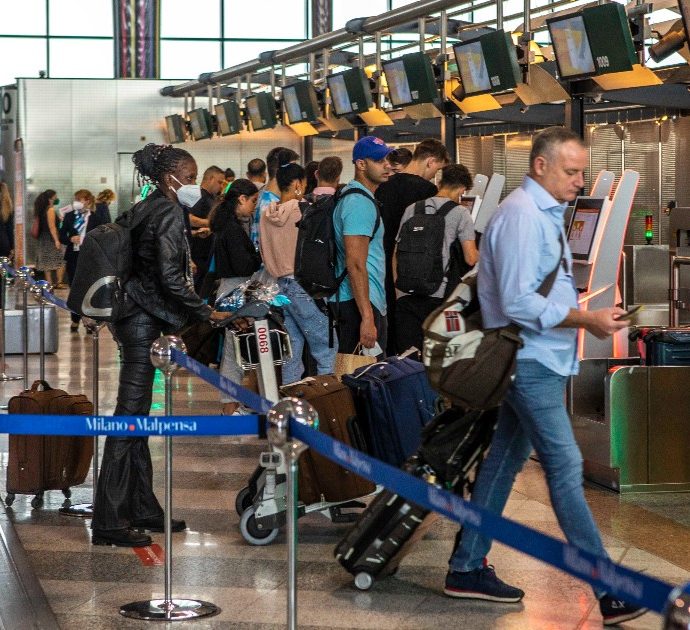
(632, 423)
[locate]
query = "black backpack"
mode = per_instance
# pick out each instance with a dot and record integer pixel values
(315, 255)
(104, 266)
(420, 250)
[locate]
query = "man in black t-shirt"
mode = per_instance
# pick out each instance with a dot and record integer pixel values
(201, 242)
(395, 195)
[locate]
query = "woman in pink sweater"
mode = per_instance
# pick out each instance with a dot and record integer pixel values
(304, 320)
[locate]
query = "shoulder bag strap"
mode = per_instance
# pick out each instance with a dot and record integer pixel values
(548, 282)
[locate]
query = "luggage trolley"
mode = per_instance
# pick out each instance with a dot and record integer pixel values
(262, 503)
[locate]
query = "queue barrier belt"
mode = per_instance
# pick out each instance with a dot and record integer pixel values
(129, 426)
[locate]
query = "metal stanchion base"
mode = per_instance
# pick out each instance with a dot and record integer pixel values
(4, 378)
(174, 610)
(80, 510)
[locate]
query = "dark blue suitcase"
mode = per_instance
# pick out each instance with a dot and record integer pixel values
(394, 402)
(667, 346)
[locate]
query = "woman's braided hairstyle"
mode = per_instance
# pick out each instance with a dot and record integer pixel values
(155, 160)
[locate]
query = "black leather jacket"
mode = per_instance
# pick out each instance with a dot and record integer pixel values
(161, 281)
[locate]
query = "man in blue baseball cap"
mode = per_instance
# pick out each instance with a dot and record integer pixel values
(360, 303)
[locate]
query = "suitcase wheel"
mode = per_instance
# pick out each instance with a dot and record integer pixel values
(37, 501)
(67, 492)
(9, 499)
(243, 500)
(364, 581)
(251, 533)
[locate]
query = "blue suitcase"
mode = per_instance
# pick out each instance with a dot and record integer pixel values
(394, 402)
(667, 346)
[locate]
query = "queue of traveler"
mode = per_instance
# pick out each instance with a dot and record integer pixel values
(254, 223)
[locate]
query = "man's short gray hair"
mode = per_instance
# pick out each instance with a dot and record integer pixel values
(546, 142)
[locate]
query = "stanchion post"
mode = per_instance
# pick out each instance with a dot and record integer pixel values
(4, 262)
(677, 613)
(168, 609)
(24, 273)
(279, 418)
(85, 510)
(39, 290)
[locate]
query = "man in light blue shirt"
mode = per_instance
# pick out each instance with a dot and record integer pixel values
(523, 244)
(361, 297)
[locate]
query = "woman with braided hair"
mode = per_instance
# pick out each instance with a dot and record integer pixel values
(161, 299)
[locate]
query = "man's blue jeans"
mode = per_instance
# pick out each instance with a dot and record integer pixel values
(533, 414)
(305, 321)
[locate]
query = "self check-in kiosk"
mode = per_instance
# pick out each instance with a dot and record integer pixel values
(489, 202)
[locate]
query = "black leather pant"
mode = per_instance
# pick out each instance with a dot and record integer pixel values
(125, 482)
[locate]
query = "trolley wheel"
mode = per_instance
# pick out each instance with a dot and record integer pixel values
(9, 499)
(251, 533)
(67, 492)
(37, 501)
(243, 500)
(363, 581)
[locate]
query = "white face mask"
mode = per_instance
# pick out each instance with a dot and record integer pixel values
(187, 194)
(77, 205)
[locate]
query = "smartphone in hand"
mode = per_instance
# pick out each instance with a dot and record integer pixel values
(630, 312)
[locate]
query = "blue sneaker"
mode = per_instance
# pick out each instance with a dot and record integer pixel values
(615, 611)
(481, 583)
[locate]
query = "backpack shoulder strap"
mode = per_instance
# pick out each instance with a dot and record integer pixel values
(354, 190)
(445, 209)
(420, 207)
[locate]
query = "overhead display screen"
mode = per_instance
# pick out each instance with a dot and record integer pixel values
(339, 96)
(411, 80)
(398, 85)
(175, 125)
(229, 118)
(571, 45)
(488, 64)
(472, 67)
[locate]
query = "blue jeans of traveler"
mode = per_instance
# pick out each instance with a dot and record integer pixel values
(305, 321)
(533, 414)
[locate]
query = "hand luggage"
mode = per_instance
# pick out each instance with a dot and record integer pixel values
(384, 533)
(454, 443)
(52, 462)
(14, 330)
(321, 479)
(393, 401)
(666, 346)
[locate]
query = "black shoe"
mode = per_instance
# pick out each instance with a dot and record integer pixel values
(615, 611)
(481, 583)
(120, 538)
(155, 524)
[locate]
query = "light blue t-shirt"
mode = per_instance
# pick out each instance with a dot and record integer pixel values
(355, 215)
(264, 200)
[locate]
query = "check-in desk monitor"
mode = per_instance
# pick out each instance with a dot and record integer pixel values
(584, 225)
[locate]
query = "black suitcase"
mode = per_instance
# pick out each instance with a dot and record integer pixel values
(453, 445)
(384, 533)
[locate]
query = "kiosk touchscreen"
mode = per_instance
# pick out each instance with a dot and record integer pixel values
(583, 228)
